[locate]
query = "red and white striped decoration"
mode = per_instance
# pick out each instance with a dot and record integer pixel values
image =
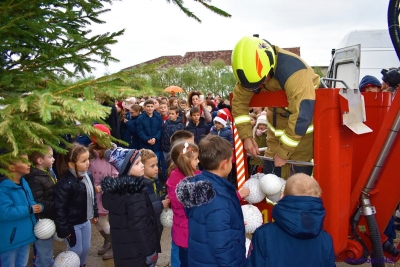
(239, 152)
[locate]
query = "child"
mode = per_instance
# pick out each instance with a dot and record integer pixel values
(297, 229)
(149, 128)
(260, 137)
(217, 236)
(181, 135)
(253, 119)
(197, 125)
(370, 84)
(171, 126)
(222, 129)
(99, 168)
(152, 184)
(164, 112)
(131, 136)
(185, 160)
(17, 214)
(42, 182)
(134, 235)
(75, 202)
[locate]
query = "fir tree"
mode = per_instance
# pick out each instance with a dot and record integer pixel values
(43, 44)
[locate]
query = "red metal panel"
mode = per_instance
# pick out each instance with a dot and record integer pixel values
(387, 189)
(332, 158)
(376, 107)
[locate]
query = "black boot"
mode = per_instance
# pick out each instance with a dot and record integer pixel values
(106, 245)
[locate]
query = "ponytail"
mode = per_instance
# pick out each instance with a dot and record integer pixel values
(181, 155)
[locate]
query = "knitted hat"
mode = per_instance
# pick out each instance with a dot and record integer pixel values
(368, 80)
(122, 158)
(119, 104)
(102, 128)
(221, 118)
(261, 119)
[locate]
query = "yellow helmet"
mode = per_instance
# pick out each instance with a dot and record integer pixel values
(252, 60)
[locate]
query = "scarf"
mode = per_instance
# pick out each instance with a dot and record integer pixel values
(260, 132)
(89, 192)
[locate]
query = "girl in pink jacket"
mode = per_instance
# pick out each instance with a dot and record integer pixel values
(184, 156)
(100, 168)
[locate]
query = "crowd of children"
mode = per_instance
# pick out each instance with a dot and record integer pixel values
(177, 154)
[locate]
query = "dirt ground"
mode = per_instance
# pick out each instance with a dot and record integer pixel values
(95, 260)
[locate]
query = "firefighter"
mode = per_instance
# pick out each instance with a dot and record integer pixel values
(260, 66)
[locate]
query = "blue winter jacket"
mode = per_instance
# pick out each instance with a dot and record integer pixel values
(17, 220)
(148, 128)
(199, 131)
(216, 225)
(296, 238)
(131, 135)
(169, 128)
(225, 133)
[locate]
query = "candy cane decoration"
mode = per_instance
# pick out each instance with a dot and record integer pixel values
(240, 168)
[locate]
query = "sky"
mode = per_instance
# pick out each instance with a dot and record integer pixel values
(154, 28)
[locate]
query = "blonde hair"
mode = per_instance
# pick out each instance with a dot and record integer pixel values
(301, 184)
(147, 154)
(182, 160)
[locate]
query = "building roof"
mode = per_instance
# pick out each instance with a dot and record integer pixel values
(205, 57)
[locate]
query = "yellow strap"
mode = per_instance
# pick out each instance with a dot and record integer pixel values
(288, 141)
(242, 119)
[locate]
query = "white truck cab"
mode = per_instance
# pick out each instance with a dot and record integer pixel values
(360, 53)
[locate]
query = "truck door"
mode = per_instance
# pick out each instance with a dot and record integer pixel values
(345, 65)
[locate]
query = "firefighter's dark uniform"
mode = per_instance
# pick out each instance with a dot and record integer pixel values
(290, 129)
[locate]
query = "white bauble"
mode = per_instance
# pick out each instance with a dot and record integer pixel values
(253, 218)
(166, 217)
(44, 229)
(275, 198)
(256, 195)
(248, 242)
(283, 181)
(270, 184)
(67, 259)
(257, 175)
(56, 238)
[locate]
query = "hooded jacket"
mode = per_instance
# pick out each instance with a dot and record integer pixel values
(297, 233)
(134, 232)
(216, 225)
(41, 185)
(17, 220)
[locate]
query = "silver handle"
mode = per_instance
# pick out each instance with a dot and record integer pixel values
(305, 163)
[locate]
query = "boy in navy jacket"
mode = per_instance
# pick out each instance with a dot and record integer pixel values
(297, 229)
(149, 128)
(197, 125)
(216, 225)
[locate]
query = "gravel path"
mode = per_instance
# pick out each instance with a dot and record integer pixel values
(164, 258)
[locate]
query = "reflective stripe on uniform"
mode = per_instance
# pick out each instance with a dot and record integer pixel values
(310, 129)
(242, 119)
(288, 141)
(272, 129)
